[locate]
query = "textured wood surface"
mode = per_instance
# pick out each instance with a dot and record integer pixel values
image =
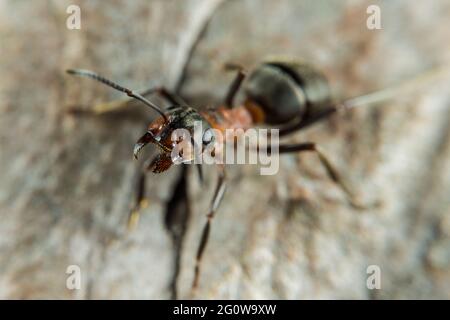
(66, 183)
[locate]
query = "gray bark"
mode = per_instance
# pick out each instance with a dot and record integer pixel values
(66, 183)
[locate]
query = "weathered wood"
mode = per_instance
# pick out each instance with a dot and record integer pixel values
(66, 183)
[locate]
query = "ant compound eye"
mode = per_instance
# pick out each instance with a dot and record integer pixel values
(208, 136)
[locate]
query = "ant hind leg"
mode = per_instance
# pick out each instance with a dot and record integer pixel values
(332, 172)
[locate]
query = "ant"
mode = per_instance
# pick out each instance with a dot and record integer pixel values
(282, 92)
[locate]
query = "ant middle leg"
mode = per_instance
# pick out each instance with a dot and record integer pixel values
(218, 195)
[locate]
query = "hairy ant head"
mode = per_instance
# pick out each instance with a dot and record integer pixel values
(166, 136)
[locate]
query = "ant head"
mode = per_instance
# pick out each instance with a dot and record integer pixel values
(167, 133)
(160, 131)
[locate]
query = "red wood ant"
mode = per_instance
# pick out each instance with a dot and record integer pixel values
(286, 93)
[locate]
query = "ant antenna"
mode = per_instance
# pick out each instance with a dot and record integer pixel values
(130, 93)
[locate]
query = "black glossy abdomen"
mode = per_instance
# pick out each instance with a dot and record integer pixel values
(288, 91)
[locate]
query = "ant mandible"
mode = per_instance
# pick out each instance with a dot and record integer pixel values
(282, 92)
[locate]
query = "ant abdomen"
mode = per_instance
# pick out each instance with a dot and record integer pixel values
(288, 91)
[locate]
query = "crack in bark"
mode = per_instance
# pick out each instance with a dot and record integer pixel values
(177, 216)
(193, 34)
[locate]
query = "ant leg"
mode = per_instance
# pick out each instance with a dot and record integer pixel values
(332, 172)
(141, 203)
(235, 85)
(218, 195)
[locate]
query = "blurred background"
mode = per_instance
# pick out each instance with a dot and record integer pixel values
(67, 182)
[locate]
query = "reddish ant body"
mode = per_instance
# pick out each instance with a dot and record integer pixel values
(285, 93)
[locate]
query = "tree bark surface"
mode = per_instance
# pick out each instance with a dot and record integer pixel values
(67, 182)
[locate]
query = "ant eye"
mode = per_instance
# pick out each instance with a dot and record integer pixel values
(208, 136)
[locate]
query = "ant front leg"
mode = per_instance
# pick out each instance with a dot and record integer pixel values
(332, 172)
(235, 85)
(218, 195)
